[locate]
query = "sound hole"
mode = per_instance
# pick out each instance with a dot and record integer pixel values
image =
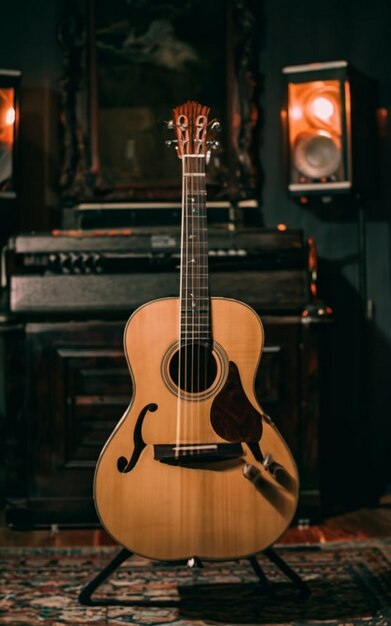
(193, 368)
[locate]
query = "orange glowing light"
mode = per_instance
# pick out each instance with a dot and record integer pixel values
(10, 116)
(314, 105)
(281, 227)
(296, 113)
(322, 107)
(7, 116)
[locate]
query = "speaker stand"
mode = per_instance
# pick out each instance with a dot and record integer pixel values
(86, 599)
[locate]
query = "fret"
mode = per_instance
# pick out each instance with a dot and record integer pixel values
(195, 312)
(195, 335)
(203, 310)
(195, 269)
(187, 320)
(191, 328)
(195, 329)
(191, 320)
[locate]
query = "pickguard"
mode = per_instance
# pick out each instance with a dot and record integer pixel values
(233, 417)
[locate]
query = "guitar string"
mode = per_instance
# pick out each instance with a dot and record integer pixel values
(207, 300)
(202, 373)
(188, 327)
(194, 290)
(195, 266)
(201, 217)
(181, 321)
(198, 269)
(190, 271)
(195, 293)
(187, 357)
(191, 265)
(190, 292)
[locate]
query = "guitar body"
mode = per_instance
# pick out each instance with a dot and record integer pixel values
(198, 502)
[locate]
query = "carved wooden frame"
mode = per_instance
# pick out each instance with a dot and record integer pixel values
(79, 181)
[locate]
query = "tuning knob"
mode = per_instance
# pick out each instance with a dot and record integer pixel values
(213, 144)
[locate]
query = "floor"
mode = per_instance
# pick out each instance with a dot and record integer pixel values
(364, 523)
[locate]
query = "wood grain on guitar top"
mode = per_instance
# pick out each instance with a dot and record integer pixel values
(201, 506)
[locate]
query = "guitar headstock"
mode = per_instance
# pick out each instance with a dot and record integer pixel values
(190, 121)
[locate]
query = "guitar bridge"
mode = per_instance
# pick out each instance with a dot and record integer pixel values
(189, 453)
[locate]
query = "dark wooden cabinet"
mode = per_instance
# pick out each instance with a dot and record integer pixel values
(66, 381)
(67, 384)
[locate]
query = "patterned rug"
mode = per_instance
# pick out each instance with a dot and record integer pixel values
(350, 585)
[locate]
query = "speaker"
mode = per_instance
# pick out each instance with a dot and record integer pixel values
(9, 123)
(328, 121)
(9, 132)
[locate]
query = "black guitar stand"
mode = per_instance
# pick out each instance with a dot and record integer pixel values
(86, 599)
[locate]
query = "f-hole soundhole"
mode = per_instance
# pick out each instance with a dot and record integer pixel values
(193, 368)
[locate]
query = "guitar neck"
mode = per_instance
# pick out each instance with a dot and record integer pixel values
(194, 282)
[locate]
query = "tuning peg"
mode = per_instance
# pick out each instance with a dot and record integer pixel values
(169, 124)
(215, 125)
(170, 142)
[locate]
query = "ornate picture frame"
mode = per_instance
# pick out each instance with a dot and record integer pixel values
(126, 64)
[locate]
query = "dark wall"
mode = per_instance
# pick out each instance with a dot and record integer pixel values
(292, 33)
(305, 32)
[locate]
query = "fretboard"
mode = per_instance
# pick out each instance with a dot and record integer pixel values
(194, 284)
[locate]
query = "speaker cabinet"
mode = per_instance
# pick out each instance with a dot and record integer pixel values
(9, 122)
(329, 130)
(9, 130)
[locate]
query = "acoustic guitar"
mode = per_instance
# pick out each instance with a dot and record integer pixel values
(195, 468)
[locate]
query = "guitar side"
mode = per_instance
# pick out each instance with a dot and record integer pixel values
(204, 507)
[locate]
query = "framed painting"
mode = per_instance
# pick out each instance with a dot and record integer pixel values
(127, 63)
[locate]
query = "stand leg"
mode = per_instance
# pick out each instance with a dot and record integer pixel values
(88, 590)
(265, 582)
(304, 590)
